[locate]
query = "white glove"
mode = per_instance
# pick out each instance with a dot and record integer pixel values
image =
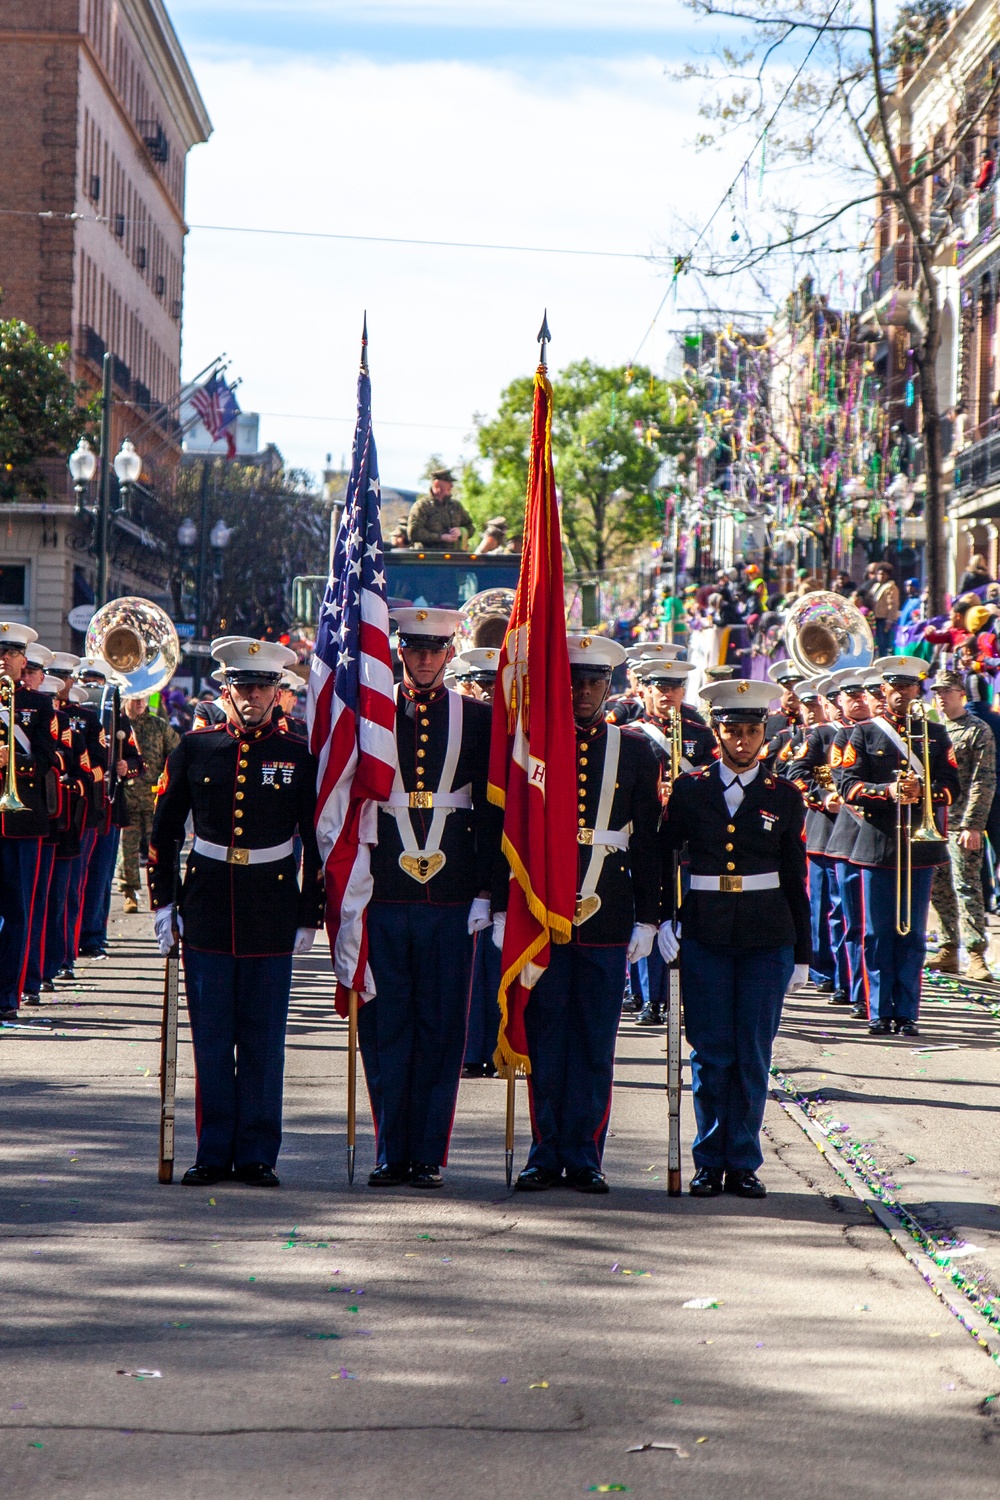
(800, 976)
(479, 915)
(499, 923)
(163, 926)
(304, 939)
(667, 940)
(641, 942)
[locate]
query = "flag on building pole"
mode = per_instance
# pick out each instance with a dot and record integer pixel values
(351, 709)
(218, 409)
(533, 751)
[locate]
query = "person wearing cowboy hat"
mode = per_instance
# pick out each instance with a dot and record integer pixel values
(250, 789)
(882, 776)
(435, 519)
(571, 1020)
(432, 873)
(36, 738)
(744, 932)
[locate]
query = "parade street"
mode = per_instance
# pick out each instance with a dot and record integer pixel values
(325, 1341)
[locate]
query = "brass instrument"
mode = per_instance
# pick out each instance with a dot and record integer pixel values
(824, 632)
(484, 619)
(824, 778)
(927, 833)
(10, 802)
(675, 736)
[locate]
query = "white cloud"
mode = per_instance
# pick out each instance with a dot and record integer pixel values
(631, 15)
(437, 150)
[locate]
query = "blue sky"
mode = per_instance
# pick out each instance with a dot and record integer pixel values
(531, 122)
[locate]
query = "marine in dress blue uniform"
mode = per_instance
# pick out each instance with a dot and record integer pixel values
(828, 965)
(432, 870)
(786, 677)
(571, 1018)
(876, 773)
(478, 669)
(744, 932)
(662, 681)
(85, 719)
(853, 707)
(249, 788)
(36, 736)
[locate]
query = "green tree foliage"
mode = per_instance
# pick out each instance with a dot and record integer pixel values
(919, 24)
(41, 410)
(611, 431)
(280, 529)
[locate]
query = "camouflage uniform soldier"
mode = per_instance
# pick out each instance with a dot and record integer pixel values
(155, 739)
(975, 752)
(435, 519)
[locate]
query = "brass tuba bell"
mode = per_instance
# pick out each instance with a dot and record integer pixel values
(138, 641)
(825, 633)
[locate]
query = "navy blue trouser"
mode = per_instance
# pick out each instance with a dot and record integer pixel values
(894, 963)
(484, 1007)
(238, 1009)
(825, 920)
(97, 891)
(412, 1035)
(18, 872)
(74, 895)
(654, 978)
(732, 1010)
(39, 921)
(58, 934)
(571, 1021)
(853, 913)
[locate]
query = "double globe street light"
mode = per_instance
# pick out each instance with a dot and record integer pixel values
(83, 465)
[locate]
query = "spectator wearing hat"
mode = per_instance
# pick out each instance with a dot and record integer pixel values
(572, 1018)
(878, 776)
(435, 519)
(956, 632)
(957, 891)
(745, 932)
(249, 788)
(36, 739)
(433, 870)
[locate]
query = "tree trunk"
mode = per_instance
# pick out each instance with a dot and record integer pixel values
(930, 421)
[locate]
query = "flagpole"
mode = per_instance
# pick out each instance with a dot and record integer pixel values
(545, 339)
(352, 1081)
(511, 1080)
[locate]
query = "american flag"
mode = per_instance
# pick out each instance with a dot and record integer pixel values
(351, 712)
(218, 409)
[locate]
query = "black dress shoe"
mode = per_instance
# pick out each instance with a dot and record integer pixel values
(588, 1180)
(839, 998)
(31, 999)
(649, 1016)
(257, 1174)
(425, 1175)
(824, 987)
(906, 1028)
(474, 1070)
(537, 1179)
(390, 1174)
(745, 1184)
(8, 1015)
(859, 1012)
(48, 987)
(93, 953)
(706, 1183)
(205, 1176)
(66, 973)
(879, 1028)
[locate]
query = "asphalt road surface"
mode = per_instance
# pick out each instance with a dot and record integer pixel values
(321, 1341)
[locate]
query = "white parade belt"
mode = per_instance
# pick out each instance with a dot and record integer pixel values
(244, 856)
(423, 864)
(769, 882)
(602, 838)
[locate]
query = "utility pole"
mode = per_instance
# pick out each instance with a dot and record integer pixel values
(199, 628)
(104, 486)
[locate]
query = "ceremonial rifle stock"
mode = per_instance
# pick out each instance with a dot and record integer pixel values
(168, 1060)
(352, 1080)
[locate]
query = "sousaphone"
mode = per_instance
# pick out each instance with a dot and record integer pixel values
(825, 633)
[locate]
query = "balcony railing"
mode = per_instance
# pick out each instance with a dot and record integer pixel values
(978, 465)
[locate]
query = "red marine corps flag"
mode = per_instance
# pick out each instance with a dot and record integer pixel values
(532, 757)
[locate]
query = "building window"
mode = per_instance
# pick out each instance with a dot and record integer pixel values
(161, 285)
(119, 226)
(140, 258)
(95, 187)
(14, 585)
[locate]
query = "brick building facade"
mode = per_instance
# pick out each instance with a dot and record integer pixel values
(100, 109)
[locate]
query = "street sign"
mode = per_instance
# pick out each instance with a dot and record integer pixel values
(197, 648)
(80, 617)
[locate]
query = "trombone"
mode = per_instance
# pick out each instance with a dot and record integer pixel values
(10, 802)
(927, 832)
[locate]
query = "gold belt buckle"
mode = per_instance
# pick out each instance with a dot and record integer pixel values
(585, 836)
(237, 856)
(421, 799)
(731, 883)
